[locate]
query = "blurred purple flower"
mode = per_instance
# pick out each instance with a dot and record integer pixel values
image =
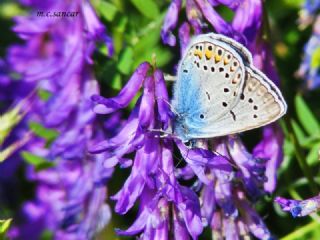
(202, 17)
(56, 59)
(312, 6)
(308, 13)
(299, 208)
(310, 67)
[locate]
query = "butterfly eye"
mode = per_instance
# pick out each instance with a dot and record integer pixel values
(201, 116)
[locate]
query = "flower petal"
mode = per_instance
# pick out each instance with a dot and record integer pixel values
(126, 94)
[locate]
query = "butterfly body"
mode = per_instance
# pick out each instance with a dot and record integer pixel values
(219, 92)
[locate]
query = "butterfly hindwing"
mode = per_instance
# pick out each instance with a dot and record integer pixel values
(209, 80)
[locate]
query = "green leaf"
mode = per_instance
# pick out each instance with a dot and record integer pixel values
(306, 117)
(107, 10)
(288, 148)
(148, 41)
(38, 162)
(4, 225)
(41, 131)
(162, 55)
(8, 121)
(294, 3)
(125, 61)
(147, 7)
(298, 131)
(8, 10)
(313, 155)
(116, 82)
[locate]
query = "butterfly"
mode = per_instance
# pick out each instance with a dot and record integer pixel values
(219, 92)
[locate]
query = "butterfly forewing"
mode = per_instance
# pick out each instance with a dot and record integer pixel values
(210, 78)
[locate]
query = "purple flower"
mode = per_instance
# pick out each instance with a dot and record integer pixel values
(299, 208)
(312, 6)
(308, 13)
(270, 148)
(170, 23)
(56, 58)
(154, 180)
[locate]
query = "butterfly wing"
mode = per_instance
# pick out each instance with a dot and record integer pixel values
(260, 103)
(218, 91)
(210, 79)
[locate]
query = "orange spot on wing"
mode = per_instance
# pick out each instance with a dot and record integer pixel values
(208, 54)
(198, 53)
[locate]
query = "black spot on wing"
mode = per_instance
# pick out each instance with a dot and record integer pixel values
(233, 115)
(208, 95)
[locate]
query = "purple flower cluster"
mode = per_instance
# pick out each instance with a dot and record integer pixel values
(55, 59)
(226, 178)
(224, 182)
